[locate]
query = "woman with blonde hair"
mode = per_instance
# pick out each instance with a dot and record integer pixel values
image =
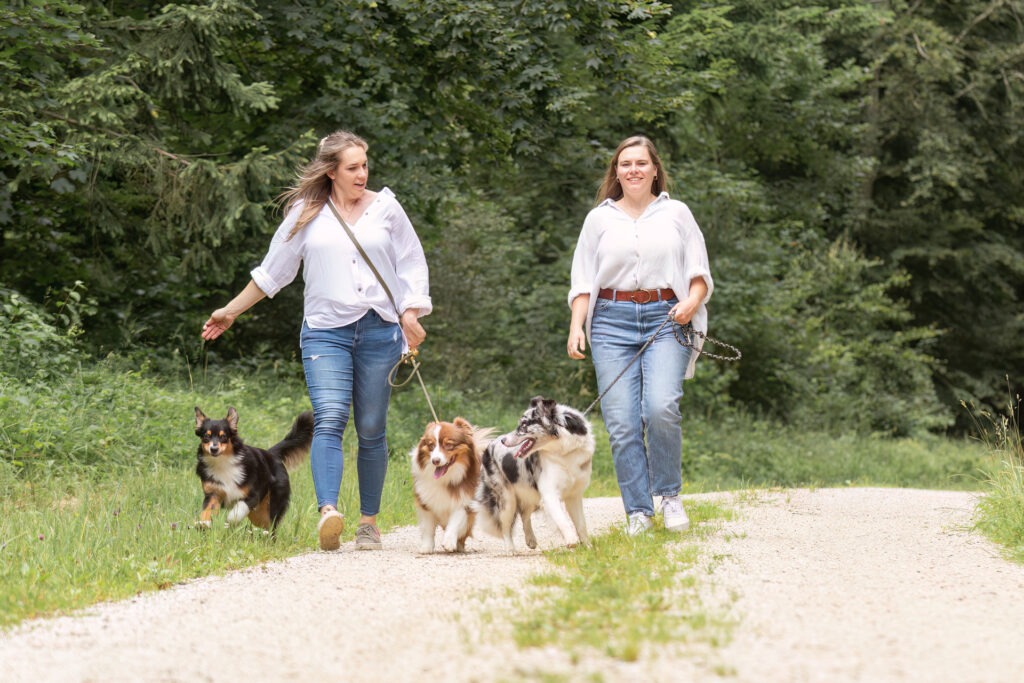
(352, 333)
(640, 257)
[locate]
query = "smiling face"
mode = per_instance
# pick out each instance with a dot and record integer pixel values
(348, 179)
(445, 444)
(635, 171)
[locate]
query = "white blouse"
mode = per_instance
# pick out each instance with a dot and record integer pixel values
(339, 287)
(663, 248)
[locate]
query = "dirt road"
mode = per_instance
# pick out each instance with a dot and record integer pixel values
(832, 585)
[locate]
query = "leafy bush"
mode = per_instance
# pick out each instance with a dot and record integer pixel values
(36, 345)
(835, 352)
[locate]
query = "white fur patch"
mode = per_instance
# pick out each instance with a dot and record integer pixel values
(228, 473)
(239, 512)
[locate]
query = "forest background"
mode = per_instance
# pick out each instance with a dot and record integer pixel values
(856, 168)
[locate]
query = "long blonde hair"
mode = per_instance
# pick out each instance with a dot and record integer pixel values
(610, 186)
(313, 185)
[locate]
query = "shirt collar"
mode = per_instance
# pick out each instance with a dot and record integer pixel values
(609, 201)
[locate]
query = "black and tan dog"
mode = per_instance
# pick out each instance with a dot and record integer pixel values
(248, 481)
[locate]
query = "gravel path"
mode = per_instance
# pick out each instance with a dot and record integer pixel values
(832, 585)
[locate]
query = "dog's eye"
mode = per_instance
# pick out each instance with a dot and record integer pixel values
(449, 445)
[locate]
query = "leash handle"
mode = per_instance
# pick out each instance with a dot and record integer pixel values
(409, 358)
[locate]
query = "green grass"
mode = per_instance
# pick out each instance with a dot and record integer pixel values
(620, 594)
(1001, 510)
(98, 496)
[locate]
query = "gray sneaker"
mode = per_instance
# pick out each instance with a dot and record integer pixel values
(638, 524)
(675, 515)
(368, 537)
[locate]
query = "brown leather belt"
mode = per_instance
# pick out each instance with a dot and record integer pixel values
(638, 296)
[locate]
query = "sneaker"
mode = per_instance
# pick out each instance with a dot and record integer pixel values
(329, 530)
(675, 515)
(368, 537)
(638, 524)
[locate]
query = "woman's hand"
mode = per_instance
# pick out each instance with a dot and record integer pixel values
(220, 320)
(411, 328)
(577, 343)
(223, 318)
(684, 311)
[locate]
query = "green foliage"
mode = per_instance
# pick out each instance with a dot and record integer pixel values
(1000, 514)
(142, 144)
(945, 105)
(736, 451)
(36, 345)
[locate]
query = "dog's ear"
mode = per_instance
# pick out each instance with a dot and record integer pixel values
(550, 405)
(232, 418)
(463, 423)
(200, 419)
(536, 401)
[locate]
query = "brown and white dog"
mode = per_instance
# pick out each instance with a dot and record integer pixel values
(445, 476)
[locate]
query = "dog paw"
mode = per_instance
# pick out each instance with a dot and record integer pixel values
(531, 543)
(426, 549)
(203, 524)
(239, 512)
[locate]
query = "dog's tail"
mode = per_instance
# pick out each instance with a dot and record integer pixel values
(482, 437)
(294, 448)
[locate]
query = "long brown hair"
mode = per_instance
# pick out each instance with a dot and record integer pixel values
(610, 186)
(313, 186)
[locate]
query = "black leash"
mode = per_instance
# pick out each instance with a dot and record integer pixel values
(686, 341)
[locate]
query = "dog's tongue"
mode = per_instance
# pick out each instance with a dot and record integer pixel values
(524, 448)
(440, 471)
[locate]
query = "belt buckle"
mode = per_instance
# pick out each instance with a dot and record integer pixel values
(647, 296)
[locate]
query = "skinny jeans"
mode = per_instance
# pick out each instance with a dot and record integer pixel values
(641, 409)
(347, 369)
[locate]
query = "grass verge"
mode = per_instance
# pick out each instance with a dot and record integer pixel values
(621, 595)
(1000, 514)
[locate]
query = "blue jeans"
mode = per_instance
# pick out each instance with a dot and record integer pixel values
(347, 367)
(644, 402)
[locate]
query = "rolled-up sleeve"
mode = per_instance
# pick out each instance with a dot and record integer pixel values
(410, 263)
(282, 261)
(584, 262)
(695, 254)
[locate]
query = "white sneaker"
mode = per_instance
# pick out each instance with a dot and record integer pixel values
(329, 529)
(675, 515)
(638, 524)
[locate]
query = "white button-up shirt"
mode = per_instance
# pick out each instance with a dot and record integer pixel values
(340, 287)
(663, 248)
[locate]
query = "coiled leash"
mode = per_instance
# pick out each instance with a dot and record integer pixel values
(409, 358)
(687, 341)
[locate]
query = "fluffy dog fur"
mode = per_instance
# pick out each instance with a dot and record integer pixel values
(445, 475)
(252, 482)
(545, 462)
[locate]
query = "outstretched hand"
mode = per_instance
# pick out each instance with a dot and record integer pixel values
(217, 324)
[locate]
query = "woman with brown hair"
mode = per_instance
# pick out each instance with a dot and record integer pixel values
(640, 257)
(351, 333)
